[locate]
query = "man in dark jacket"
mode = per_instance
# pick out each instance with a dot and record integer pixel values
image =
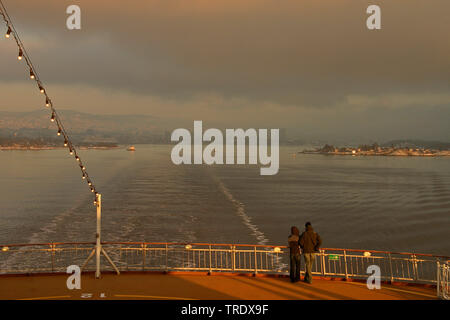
(294, 250)
(310, 242)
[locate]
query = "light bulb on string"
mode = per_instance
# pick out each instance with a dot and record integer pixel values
(23, 55)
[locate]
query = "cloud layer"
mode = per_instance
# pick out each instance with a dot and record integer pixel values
(242, 63)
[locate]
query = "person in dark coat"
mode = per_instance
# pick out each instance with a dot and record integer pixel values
(295, 254)
(310, 243)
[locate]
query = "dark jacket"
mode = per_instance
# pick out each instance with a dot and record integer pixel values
(310, 240)
(293, 240)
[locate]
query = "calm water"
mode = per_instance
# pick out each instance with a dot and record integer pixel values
(383, 203)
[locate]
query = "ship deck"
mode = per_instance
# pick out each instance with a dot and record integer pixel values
(200, 286)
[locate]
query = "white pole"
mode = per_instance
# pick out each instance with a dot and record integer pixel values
(98, 247)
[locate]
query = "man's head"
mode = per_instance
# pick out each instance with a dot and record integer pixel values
(308, 225)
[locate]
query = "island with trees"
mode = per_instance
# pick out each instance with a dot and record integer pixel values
(386, 150)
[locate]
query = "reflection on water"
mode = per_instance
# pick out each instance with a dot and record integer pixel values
(385, 203)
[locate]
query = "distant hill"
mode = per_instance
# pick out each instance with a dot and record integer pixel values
(413, 143)
(83, 127)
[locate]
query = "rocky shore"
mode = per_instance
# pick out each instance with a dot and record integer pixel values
(376, 150)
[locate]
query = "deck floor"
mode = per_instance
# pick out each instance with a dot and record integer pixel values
(199, 286)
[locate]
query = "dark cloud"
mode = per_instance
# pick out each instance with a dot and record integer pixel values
(293, 53)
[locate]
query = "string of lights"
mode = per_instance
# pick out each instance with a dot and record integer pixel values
(23, 55)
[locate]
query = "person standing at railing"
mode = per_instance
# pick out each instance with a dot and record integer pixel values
(295, 254)
(310, 243)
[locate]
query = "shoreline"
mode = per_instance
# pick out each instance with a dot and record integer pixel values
(406, 154)
(33, 148)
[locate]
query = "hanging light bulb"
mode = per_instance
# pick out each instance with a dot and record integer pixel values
(20, 56)
(77, 158)
(47, 102)
(70, 151)
(92, 190)
(52, 119)
(83, 167)
(66, 143)
(41, 89)
(8, 33)
(32, 76)
(59, 132)
(83, 176)
(90, 183)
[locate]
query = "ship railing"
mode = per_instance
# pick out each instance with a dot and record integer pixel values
(443, 270)
(212, 258)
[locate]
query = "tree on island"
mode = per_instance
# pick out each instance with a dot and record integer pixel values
(328, 148)
(366, 147)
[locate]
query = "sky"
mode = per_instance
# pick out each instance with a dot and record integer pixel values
(309, 66)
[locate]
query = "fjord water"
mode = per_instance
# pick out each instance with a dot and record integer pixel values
(381, 203)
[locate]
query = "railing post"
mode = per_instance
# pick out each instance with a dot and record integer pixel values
(256, 261)
(415, 271)
(144, 246)
(210, 260)
(390, 268)
(445, 276)
(345, 264)
(52, 246)
(322, 260)
(233, 257)
(438, 275)
(167, 253)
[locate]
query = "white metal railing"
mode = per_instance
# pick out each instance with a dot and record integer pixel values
(442, 280)
(147, 256)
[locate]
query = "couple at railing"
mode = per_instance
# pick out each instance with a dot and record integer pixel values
(308, 243)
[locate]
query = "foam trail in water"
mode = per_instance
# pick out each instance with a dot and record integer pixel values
(240, 211)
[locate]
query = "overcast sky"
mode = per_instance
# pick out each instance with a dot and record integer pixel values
(307, 65)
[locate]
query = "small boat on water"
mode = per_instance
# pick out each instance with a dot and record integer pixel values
(131, 148)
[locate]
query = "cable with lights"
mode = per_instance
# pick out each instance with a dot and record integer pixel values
(23, 55)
